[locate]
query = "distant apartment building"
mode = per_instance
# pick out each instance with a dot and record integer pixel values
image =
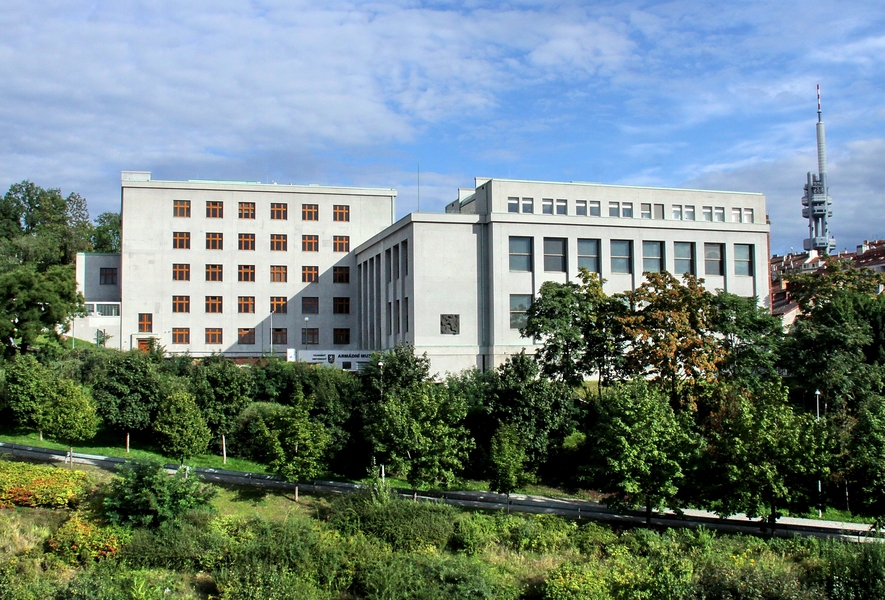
(324, 274)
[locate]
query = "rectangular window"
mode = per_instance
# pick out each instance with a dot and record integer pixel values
(310, 305)
(279, 273)
(213, 335)
(743, 259)
(736, 214)
(310, 274)
(561, 207)
(181, 304)
(310, 243)
(214, 304)
(547, 206)
(406, 315)
(107, 276)
(528, 205)
(554, 255)
(181, 208)
(181, 240)
(340, 274)
(246, 241)
(310, 336)
(652, 257)
(181, 335)
(108, 310)
(706, 213)
(279, 336)
(310, 212)
(677, 212)
(145, 323)
(246, 304)
(214, 272)
(627, 210)
(713, 259)
(341, 243)
(404, 257)
(683, 258)
(388, 268)
(396, 326)
(181, 272)
(279, 211)
(594, 208)
(214, 241)
(246, 336)
(246, 210)
(520, 254)
(614, 209)
(645, 210)
(588, 255)
(581, 208)
(396, 262)
(513, 205)
(659, 212)
(341, 212)
(246, 273)
(341, 305)
(340, 336)
(622, 256)
(748, 215)
(719, 214)
(689, 213)
(279, 305)
(279, 242)
(214, 209)
(519, 305)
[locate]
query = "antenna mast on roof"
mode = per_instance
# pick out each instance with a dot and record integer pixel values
(816, 202)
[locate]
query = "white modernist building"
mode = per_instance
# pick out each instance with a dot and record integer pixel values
(324, 274)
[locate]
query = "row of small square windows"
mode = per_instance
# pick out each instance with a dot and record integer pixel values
(246, 336)
(246, 210)
(647, 210)
(621, 254)
(310, 305)
(278, 273)
(279, 242)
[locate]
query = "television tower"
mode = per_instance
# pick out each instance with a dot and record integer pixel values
(816, 202)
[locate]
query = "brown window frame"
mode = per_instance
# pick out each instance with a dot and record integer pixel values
(340, 274)
(246, 336)
(310, 243)
(181, 304)
(310, 274)
(341, 212)
(214, 240)
(279, 305)
(279, 242)
(145, 323)
(310, 336)
(341, 305)
(181, 240)
(214, 209)
(340, 243)
(245, 304)
(310, 305)
(279, 273)
(279, 211)
(246, 210)
(181, 335)
(181, 208)
(107, 276)
(214, 272)
(310, 212)
(340, 336)
(279, 336)
(214, 335)
(181, 272)
(246, 241)
(214, 305)
(246, 273)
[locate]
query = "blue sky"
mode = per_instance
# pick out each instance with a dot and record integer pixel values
(683, 94)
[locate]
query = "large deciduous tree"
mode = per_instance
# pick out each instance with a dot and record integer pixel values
(222, 390)
(181, 428)
(70, 415)
(107, 233)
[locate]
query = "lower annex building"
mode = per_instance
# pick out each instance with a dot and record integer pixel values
(324, 274)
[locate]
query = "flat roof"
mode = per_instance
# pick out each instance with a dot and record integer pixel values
(612, 185)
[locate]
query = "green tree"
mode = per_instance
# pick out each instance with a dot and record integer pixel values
(70, 414)
(580, 331)
(28, 389)
(222, 390)
(637, 447)
(182, 431)
(867, 456)
(107, 234)
(751, 338)
(145, 495)
(508, 460)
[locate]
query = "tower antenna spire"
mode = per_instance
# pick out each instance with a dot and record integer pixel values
(816, 202)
